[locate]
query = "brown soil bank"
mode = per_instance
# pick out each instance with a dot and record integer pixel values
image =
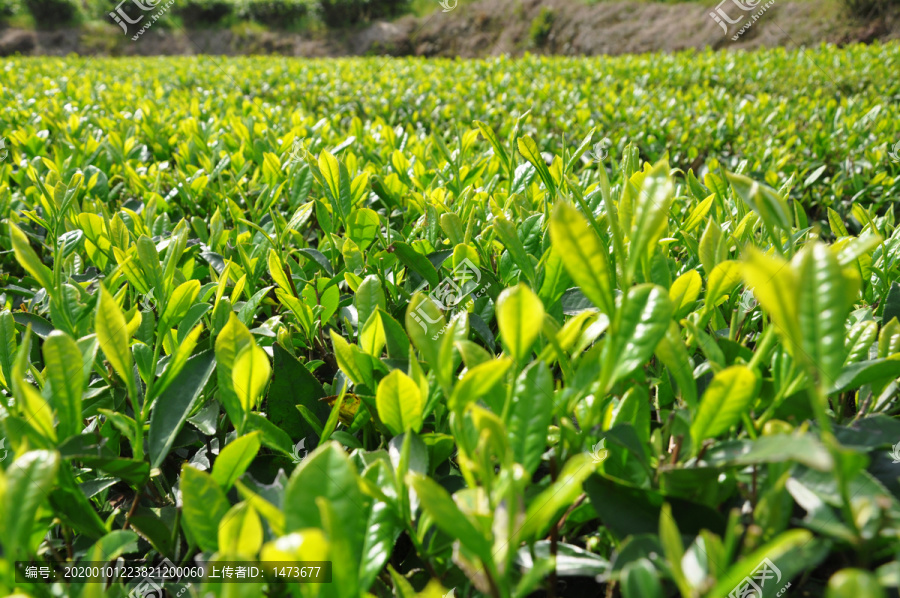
(493, 27)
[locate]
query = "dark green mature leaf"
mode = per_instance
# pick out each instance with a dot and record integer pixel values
(507, 233)
(318, 259)
(293, 385)
(111, 546)
(383, 527)
(672, 353)
(326, 474)
(416, 262)
(855, 375)
(530, 414)
(626, 510)
(66, 377)
(72, 506)
(272, 437)
(40, 326)
(637, 328)
(891, 304)
(131, 471)
(779, 448)
(28, 482)
(640, 580)
(447, 516)
(155, 530)
(176, 403)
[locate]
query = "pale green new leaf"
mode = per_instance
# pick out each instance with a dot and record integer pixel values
(529, 150)
(651, 210)
(520, 315)
(727, 398)
(29, 259)
(232, 340)
(584, 255)
(763, 200)
(234, 459)
(26, 484)
(112, 333)
(250, 375)
(824, 297)
(241, 532)
(400, 403)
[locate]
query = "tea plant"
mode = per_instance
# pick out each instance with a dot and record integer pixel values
(264, 310)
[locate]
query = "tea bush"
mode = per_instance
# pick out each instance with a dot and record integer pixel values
(49, 14)
(8, 8)
(202, 13)
(280, 14)
(583, 326)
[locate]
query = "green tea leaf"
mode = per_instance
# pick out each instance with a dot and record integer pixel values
(241, 532)
(636, 330)
(584, 255)
(447, 516)
(326, 474)
(66, 377)
(728, 396)
(113, 335)
(204, 506)
(400, 403)
(530, 414)
(28, 259)
(234, 459)
(27, 482)
(520, 315)
(172, 408)
(250, 375)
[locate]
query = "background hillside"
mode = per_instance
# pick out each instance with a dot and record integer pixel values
(318, 28)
